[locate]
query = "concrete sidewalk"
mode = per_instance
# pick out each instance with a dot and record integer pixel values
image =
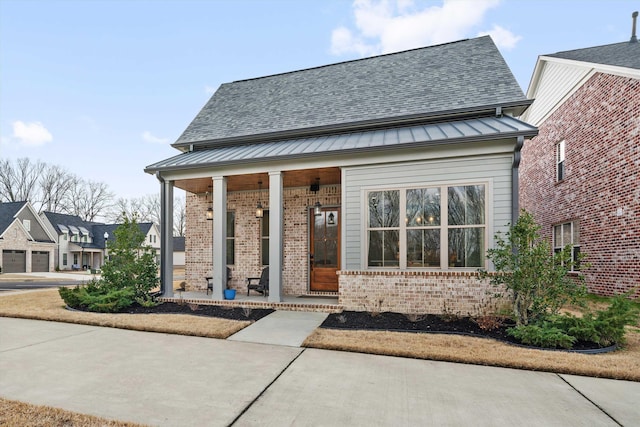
(173, 380)
(81, 276)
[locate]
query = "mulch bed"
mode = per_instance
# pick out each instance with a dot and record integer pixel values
(231, 313)
(428, 323)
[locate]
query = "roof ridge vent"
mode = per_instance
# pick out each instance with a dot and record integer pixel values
(634, 17)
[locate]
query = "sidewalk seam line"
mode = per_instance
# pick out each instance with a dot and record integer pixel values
(246, 408)
(590, 401)
(47, 341)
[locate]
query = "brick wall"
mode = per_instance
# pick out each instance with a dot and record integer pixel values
(459, 293)
(199, 237)
(600, 124)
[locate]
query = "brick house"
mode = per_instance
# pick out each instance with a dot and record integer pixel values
(580, 177)
(26, 245)
(381, 181)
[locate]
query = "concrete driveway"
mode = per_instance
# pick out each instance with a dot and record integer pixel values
(172, 380)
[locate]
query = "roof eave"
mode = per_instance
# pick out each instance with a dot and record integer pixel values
(506, 135)
(514, 108)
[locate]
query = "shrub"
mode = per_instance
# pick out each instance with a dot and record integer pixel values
(127, 277)
(534, 278)
(605, 327)
(544, 335)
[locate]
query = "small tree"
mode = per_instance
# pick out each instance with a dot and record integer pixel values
(131, 263)
(535, 279)
(127, 277)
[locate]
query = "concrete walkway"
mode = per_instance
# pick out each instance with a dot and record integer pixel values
(173, 380)
(288, 328)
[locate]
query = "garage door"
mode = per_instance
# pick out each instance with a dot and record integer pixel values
(39, 261)
(14, 261)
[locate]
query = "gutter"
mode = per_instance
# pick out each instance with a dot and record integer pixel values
(515, 182)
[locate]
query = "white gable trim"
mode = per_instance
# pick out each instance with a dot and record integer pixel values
(589, 68)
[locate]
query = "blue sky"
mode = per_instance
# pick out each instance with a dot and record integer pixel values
(103, 88)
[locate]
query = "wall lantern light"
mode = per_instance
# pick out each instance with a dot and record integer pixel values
(259, 208)
(209, 213)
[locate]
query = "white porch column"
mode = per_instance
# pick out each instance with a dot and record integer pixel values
(166, 237)
(275, 236)
(219, 237)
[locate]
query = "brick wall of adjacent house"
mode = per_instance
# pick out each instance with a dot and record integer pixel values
(600, 124)
(199, 237)
(15, 239)
(458, 293)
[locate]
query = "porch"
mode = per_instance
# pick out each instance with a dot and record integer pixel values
(326, 302)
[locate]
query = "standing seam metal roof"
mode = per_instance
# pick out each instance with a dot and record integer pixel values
(434, 133)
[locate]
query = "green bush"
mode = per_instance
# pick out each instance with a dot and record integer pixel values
(605, 327)
(531, 275)
(127, 277)
(544, 335)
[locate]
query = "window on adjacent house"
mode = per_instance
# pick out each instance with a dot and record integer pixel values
(27, 224)
(64, 259)
(231, 237)
(264, 238)
(435, 233)
(560, 153)
(75, 259)
(568, 234)
(64, 236)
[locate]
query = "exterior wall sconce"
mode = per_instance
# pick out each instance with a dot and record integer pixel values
(317, 208)
(209, 213)
(259, 208)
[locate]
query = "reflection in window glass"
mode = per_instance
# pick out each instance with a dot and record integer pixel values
(423, 248)
(466, 247)
(264, 237)
(466, 205)
(231, 239)
(423, 207)
(384, 209)
(384, 248)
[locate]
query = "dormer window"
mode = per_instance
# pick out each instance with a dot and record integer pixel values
(27, 224)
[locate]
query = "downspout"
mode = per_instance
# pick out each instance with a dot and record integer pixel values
(515, 193)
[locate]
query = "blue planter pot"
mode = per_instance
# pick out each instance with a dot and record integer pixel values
(229, 294)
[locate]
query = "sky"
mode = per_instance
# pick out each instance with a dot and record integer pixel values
(103, 88)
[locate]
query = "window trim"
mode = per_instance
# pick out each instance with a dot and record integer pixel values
(444, 224)
(264, 239)
(561, 157)
(232, 238)
(556, 248)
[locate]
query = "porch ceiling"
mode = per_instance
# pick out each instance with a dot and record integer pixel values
(294, 178)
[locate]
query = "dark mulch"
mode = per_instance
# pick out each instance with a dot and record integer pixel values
(428, 323)
(232, 313)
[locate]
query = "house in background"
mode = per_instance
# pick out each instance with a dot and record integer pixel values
(380, 181)
(26, 244)
(580, 177)
(83, 244)
(178, 251)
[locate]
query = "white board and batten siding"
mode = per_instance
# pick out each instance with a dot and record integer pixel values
(492, 170)
(557, 81)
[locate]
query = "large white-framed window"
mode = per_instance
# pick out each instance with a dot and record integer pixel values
(568, 233)
(560, 156)
(437, 226)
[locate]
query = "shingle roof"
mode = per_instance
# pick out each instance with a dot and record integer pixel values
(618, 54)
(457, 76)
(482, 128)
(8, 211)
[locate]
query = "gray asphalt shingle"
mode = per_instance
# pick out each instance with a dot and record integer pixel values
(455, 76)
(618, 54)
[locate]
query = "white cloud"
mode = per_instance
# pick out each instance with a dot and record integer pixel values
(385, 26)
(502, 37)
(31, 134)
(148, 137)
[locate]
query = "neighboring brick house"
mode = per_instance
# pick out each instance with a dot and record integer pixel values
(580, 177)
(26, 245)
(381, 180)
(83, 244)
